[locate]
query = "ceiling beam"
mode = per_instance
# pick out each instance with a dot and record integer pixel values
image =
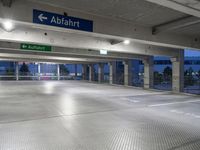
(32, 57)
(25, 59)
(176, 24)
(177, 6)
(74, 52)
(79, 41)
(51, 56)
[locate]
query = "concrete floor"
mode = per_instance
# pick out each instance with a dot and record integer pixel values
(72, 115)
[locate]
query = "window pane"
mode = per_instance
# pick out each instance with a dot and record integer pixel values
(192, 72)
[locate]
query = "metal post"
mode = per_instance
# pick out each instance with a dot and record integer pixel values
(17, 71)
(91, 72)
(58, 71)
(100, 72)
(75, 68)
(39, 71)
(84, 71)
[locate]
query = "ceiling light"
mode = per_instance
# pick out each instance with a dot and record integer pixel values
(8, 25)
(103, 52)
(126, 42)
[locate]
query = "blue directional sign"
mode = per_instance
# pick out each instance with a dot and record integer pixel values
(57, 20)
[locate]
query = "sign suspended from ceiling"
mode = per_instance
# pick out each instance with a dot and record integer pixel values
(57, 20)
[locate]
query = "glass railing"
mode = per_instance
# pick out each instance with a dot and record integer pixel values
(192, 84)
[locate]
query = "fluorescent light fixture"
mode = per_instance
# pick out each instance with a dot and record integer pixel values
(8, 25)
(126, 42)
(103, 52)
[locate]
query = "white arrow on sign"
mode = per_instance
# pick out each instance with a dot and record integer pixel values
(24, 46)
(41, 17)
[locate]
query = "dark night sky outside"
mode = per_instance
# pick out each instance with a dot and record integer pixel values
(192, 53)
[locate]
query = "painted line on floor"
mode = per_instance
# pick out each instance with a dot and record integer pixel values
(185, 113)
(142, 94)
(166, 104)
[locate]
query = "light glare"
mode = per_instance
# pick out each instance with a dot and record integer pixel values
(103, 52)
(8, 25)
(126, 42)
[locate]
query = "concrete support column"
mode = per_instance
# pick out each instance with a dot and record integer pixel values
(91, 72)
(100, 72)
(178, 72)
(75, 68)
(58, 71)
(84, 72)
(39, 71)
(17, 71)
(127, 72)
(112, 72)
(148, 72)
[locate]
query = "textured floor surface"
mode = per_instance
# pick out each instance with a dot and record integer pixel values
(71, 115)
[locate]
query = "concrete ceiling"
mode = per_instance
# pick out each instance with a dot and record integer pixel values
(141, 12)
(191, 7)
(137, 11)
(195, 4)
(191, 26)
(189, 30)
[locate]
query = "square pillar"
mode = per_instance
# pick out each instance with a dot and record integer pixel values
(75, 68)
(148, 72)
(91, 72)
(112, 72)
(178, 72)
(39, 71)
(100, 72)
(84, 71)
(58, 71)
(127, 72)
(17, 71)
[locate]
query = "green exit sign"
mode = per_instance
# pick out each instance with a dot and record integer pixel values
(35, 47)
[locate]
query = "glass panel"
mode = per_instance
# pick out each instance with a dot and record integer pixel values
(192, 72)
(95, 72)
(64, 71)
(7, 70)
(119, 73)
(79, 72)
(71, 72)
(162, 73)
(48, 71)
(28, 71)
(106, 74)
(138, 73)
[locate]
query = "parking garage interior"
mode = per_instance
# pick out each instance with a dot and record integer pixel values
(99, 75)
